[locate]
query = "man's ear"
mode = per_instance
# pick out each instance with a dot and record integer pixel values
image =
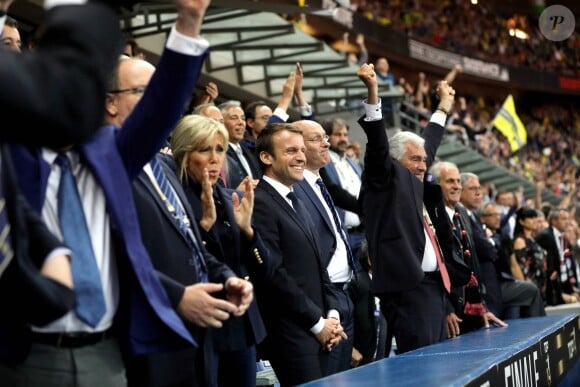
(266, 158)
(111, 105)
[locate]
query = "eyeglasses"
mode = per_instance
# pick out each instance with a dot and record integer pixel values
(133, 90)
(318, 138)
(492, 214)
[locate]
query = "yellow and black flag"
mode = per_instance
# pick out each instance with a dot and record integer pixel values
(510, 125)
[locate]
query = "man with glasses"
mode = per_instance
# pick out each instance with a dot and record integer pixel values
(35, 275)
(337, 257)
(519, 298)
(83, 192)
(471, 197)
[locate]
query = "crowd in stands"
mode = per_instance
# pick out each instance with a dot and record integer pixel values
(551, 153)
(196, 237)
(477, 30)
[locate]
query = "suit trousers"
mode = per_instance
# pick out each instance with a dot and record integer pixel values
(236, 368)
(416, 317)
(523, 294)
(339, 358)
(94, 365)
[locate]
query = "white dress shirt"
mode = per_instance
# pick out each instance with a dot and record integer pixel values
(95, 208)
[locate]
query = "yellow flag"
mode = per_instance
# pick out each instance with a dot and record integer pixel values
(510, 125)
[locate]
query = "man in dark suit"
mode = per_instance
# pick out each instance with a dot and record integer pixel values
(466, 309)
(173, 256)
(471, 198)
(524, 296)
(337, 257)
(410, 275)
(560, 268)
(32, 263)
(296, 302)
(101, 171)
(241, 162)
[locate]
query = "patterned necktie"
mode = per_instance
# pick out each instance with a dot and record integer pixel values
(330, 204)
(6, 252)
(435, 242)
(180, 217)
(243, 160)
(86, 276)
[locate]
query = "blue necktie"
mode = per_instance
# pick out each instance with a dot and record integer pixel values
(330, 204)
(180, 217)
(6, 252)
(86, 277)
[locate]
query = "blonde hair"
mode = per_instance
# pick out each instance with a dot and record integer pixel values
(193, 132)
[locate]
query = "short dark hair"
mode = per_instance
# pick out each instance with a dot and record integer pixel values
(329, 125)
(11, 22)
(264, 142)
(250, 110)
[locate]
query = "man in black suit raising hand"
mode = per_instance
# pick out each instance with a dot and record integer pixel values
(412, 268)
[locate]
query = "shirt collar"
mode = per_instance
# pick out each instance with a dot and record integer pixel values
(279, 187)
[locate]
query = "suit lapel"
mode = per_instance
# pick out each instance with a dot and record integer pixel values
(145, 181)
(307, 192)
(288, 209)
(107, 166)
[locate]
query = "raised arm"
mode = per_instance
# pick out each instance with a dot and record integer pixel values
(146, 129)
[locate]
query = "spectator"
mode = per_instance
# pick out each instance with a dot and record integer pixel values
(297, 307)
(560, 268)
(406, 280)
(11, 36)
(521, 294)
(95, 183)
(199, 146)
(529, 254)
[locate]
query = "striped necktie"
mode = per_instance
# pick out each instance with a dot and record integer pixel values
(181, 218)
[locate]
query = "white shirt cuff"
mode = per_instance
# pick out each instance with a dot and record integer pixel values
(48, 4)
(333, 313)
(305, 111)
(373, 112)
(439, 118)
(2, 22)
(318, 327)
(281, 113)
(186, 45)
(59, 251)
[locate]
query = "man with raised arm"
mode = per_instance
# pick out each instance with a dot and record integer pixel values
(401, 207)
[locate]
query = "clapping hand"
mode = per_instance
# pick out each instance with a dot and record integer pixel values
(243, 209)
(209, 215)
